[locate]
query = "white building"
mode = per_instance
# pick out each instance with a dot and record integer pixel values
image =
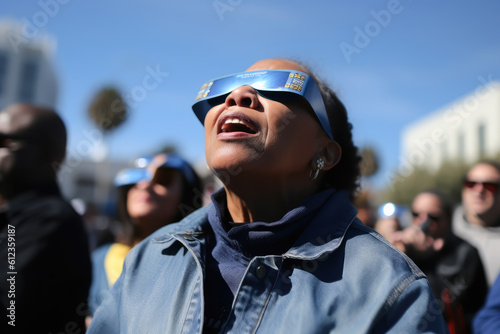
(466, 130)
(26, 71)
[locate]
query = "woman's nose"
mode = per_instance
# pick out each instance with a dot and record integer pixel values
(144, 184)
(244, 96)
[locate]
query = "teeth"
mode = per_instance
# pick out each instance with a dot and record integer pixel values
(232, 120)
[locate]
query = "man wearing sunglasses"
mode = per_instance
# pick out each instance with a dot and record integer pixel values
(478, 219)
(44, 256)
(452, 266)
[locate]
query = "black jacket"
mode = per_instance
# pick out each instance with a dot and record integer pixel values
(45, 267)
(456, 275)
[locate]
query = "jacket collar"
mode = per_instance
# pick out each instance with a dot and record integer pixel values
(194, 225)
(322, 236)
(327, 230)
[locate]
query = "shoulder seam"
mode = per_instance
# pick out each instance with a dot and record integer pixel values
(413, 267)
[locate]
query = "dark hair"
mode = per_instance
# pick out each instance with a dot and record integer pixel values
(56, 138)
(50, 132)
(192, 199)
(345, 175)
(130, 230)
(192, 196)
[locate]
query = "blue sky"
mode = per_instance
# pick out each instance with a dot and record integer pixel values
(412, 57)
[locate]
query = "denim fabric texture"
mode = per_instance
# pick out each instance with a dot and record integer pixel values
(338, 277)
(99, 285)
(487, 320)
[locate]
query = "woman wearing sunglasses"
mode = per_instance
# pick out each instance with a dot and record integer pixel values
(280, 249)
(163, 191)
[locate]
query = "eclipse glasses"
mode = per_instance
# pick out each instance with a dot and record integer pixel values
(277, 85)
(131, 176)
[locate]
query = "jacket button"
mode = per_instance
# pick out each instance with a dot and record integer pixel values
(188, 237)
(261, 272)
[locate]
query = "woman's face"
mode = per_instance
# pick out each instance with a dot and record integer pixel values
(158, 200)
(249, 133)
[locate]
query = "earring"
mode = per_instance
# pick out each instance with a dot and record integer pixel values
(319, 164)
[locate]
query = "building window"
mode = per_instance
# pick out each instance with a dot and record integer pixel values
(3, 72)
(481, 132)
(27, 84)
(461, 147)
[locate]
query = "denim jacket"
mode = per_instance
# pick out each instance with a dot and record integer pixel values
(339, 277)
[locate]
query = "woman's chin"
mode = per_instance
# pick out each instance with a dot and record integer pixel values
(232, 157)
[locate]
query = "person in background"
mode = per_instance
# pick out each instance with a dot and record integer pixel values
(45, 268)
(163, 192)
(279, 249)
(363, 203)
(389, 221)
(478, 219)
(452, 266)
(487, 320)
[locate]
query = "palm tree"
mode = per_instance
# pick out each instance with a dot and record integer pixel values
(369, 162)
(108, 111)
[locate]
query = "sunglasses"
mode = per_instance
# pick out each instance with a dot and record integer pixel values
(163, 173)
(11, 141)
(132, 176)
(276, 85)
(165, 176)
(491, 187)
(434, 218)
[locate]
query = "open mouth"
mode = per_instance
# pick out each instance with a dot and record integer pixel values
(237, 124)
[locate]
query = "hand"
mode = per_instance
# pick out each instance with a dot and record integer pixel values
(417, 242)
(389, 228)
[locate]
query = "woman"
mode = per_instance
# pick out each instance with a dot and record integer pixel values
(279, 250)
(162, 192)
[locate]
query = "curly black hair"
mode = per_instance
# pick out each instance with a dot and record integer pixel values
(345, 175)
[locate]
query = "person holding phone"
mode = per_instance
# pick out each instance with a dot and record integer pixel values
(452, 266)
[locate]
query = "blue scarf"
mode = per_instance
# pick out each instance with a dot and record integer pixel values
(233, 245)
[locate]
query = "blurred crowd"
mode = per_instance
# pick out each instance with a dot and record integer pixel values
(59, 258)
(457, 246)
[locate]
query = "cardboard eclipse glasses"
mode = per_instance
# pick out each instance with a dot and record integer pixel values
(131, 176)
(277, 85)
